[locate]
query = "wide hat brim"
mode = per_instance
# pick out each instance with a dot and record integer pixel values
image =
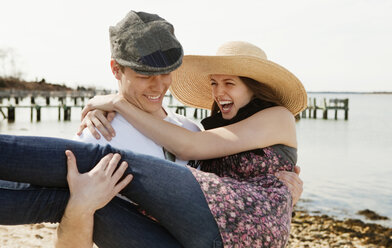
(191, 82)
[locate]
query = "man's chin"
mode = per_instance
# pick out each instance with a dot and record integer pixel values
(156, 111)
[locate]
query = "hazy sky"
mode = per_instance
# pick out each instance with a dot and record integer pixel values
(331, 45)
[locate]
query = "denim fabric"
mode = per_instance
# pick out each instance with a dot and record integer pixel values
(167, 191)
(118, 224)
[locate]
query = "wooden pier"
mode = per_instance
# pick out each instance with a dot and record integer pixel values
(181, 109)
(64, 111)
(64, 102)
(197, 113)
(14, 97)
(333, 104)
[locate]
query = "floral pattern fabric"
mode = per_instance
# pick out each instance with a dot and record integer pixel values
(251, 206)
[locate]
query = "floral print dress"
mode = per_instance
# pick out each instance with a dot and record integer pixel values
(251, 206)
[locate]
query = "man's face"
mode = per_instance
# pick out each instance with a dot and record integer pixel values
(145, 92)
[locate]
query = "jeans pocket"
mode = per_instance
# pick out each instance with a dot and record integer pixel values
(218, 243)
(13, 185)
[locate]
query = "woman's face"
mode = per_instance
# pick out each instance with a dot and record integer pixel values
(230, 93)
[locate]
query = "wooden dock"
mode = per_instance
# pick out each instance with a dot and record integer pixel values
(64, 111)
(14, 97)
(197, 113)
(333, 104)
(64, 102)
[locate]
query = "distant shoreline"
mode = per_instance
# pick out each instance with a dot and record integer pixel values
(351, 92)
(19, 84)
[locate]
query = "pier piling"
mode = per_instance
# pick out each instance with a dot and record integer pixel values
(203, 113)
(181, 110)
(333, 104)
(38, 110)
(67, 113)
(31, 113)
(2, 113)
(11, 113)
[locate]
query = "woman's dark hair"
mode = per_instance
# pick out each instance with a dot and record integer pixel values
(260, 90)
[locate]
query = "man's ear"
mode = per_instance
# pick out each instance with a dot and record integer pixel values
(115, 69)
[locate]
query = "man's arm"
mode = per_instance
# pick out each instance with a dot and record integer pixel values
(75, 229)
(89, 192)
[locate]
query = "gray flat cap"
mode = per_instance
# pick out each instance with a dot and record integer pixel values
(145, 43)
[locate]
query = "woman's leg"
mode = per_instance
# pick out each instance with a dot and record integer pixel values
(118, 224)
(41, 160)
(30, 204)
(166, 190)
(171, 194)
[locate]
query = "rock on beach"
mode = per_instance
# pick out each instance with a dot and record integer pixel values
(325, 231)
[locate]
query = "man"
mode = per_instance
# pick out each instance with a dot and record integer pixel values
(158, 53)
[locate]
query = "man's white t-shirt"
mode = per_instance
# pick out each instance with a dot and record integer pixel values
(129, 138)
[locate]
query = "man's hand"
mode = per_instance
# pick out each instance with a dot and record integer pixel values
(293, 182)
(89, 192)
(94, 189)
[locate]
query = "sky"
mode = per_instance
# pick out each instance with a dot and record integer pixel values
(330, 45)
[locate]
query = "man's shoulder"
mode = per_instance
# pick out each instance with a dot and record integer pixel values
(186, 122)
(119, 124)
(87, 137)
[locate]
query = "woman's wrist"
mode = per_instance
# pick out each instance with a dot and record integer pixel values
(120, 104)
(117, 102)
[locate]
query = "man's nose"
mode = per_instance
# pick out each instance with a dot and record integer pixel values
(159, 82)
(156, 83)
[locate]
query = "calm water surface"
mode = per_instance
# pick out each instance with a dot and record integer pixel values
(346, 165)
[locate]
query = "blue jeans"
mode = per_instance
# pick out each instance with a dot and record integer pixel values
(118, 224)
(167, 191)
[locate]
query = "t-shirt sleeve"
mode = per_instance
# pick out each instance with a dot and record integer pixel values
(87, 137)
(189, 124)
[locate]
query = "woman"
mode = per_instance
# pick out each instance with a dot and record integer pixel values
(242, 203)
(251, 129)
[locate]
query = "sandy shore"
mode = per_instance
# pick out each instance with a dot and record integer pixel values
(307, 231)
(38, 235)
(324, 231)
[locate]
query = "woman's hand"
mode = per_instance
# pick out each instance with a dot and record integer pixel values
(103, 102)
(98, 119)
(93, 190)
(293, 182)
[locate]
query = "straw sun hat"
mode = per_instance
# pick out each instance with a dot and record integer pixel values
(191, 82)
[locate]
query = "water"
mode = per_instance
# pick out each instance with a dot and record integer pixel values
(346, 165)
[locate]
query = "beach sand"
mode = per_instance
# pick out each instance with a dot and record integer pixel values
(37, 235)
(307, 231)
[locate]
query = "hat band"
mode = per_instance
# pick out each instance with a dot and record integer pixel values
(162, 59)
